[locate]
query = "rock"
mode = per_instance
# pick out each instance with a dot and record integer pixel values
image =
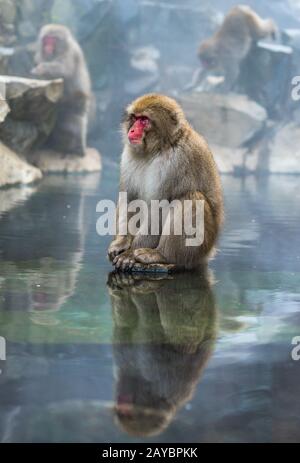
(235, 161)
(225, 120)
(284, 157)
(4, 108)
(185, 24)
(14, 170)
(8, 13)
(52, 162)
(297, 115)
(291, 38)
(5, 54)
(277, 152)
(145, 64)
(33, 108)
(266, 77)
(31, 15)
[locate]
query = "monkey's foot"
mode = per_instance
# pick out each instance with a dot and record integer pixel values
(149, 256)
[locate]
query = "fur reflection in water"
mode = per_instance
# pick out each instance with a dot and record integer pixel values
(164, 333)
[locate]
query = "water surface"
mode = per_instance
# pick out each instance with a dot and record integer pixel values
(91, 357)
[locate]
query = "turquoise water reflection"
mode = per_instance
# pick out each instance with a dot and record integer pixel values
(92, 357)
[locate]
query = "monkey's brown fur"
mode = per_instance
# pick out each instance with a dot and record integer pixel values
(230, 45)
(68, 62)
(173, 162)
(171, 346)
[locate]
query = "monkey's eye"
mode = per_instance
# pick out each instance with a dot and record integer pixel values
(144, 120)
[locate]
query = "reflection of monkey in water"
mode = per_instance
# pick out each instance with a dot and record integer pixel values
(164, 332)
(53, 260)
(60, 56)
(230, 45)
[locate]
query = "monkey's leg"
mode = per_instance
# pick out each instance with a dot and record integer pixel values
(173, 248)
(145, 241)
(121, 243)
(125, 260)
(70, 132)
(75, 132)
(52, 70)
(232, 72)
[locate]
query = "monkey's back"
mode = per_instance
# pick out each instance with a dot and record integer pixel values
(243, 23)
(203, 169)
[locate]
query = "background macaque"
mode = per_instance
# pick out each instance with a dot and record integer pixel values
(165, 159)
(159, 353)
(230, 45)
(60, 56)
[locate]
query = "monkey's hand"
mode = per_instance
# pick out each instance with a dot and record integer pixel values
(125, 261)
(53, 70)
(39, 70)
(118, 246)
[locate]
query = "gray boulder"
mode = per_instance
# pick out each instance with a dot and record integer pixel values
(266, 77)
(276, 152)
(284, 153)
(225, 120)
(4, 108)
(14, 170)
(33, 107)
(8, 14)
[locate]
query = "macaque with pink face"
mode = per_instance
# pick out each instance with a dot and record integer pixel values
(60, 56)
(232, 42)
(165, 159)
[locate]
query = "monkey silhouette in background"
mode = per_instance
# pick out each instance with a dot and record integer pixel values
(164, 334)
(228, 47)
(165, 159)
(59, 56)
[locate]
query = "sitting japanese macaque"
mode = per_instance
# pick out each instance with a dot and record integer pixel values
(165, 159)
(229, 46)
(164, 335)
(60, 56)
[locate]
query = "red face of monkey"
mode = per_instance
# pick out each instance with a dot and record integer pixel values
(49, 45)
(136, 132)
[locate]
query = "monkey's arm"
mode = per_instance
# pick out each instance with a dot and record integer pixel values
(53, 70)
(198, 77)
(122, 242)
